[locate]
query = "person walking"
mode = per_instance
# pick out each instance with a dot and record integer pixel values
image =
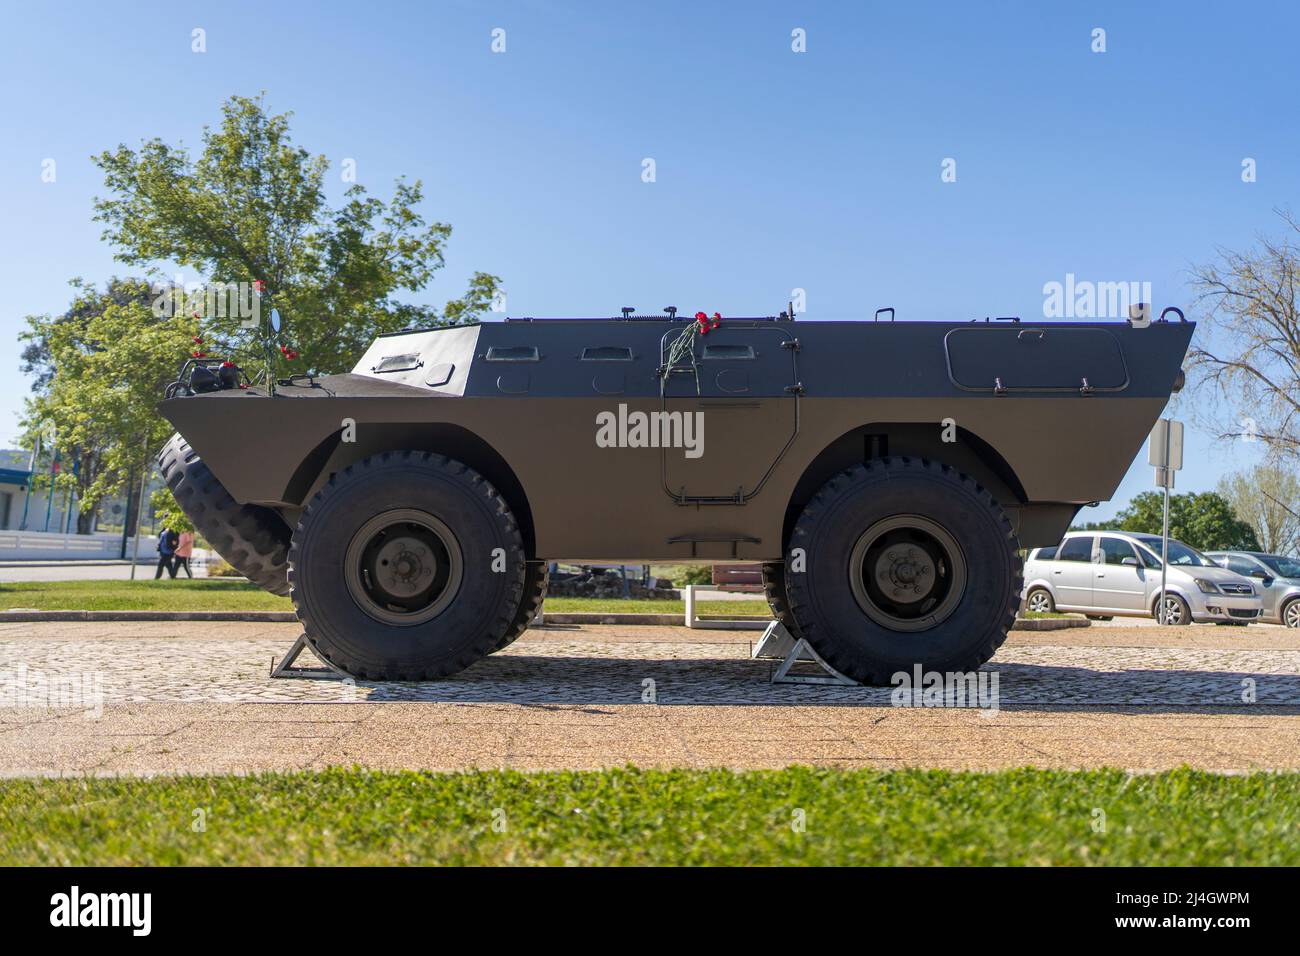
(167, 543)
(184, 549)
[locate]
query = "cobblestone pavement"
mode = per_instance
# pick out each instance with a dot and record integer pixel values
(145, 700)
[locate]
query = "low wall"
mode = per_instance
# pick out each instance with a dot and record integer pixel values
(48, 546)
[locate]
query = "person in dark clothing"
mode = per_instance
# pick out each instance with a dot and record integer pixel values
(167, 542)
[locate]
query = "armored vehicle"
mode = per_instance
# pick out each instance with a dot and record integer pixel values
(887, 474)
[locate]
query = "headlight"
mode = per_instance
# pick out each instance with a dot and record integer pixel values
(1207, 586)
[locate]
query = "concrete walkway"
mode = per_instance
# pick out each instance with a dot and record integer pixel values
(144, 698)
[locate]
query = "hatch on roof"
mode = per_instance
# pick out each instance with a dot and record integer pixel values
(993, 359)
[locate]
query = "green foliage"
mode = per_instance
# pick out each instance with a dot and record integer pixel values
(251, 207)
(1267, 497)
(1203, 520)
(696, 574)
(168, 512)
(657, 817)
(109, 360)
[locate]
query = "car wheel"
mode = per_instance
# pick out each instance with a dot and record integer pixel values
(902, 562)
(1291, 613)
(1039, 601)
(1176, 611)
(406, 566)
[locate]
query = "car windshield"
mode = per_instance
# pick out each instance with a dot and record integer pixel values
(1179, 554)
(1283, 567)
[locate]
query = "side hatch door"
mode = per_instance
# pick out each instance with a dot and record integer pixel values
(735, 395)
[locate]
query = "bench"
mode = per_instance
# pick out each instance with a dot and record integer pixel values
(739, 578)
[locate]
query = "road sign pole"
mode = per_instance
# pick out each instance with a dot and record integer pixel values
(1164, 542)
(1166, 454)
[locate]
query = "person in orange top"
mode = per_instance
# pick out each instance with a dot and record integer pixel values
(183, 552)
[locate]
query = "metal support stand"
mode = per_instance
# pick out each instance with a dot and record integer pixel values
(777, 643)
(285, 666)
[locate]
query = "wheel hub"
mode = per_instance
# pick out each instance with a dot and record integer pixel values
(907, 573)
(403, 567)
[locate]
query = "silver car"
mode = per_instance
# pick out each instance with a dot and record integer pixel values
(1113, 573)
(1276, 576)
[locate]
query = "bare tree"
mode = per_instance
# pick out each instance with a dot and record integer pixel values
(1267, 497)
(1248, 353)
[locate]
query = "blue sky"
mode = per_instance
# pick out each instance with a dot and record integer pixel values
(774, 170)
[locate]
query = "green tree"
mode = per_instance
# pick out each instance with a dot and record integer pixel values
(1203, 520)
(168, 512)
(110, 358)
(251, 208)
(1247, 351)
(1268, 498)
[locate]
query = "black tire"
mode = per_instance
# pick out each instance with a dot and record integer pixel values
(774, 590)
(955, 623)
(254, 540)
(1046, 596)
(412, 501)
(537, 575)
(1100, 617)
(1184, 613)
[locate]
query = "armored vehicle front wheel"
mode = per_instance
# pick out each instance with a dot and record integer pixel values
(407, 566)
(904, 562)
(253, 540)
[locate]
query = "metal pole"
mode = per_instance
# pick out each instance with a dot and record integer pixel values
(49, 498)
(139, 510)
(126, 515)
(1164, 528)
(49, 495)
(31, 475)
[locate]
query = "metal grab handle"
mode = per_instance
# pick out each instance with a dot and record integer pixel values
(1177, 311)
(1041, 333)
(889, 309)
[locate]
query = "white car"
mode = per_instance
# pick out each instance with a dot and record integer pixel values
(1113, 573)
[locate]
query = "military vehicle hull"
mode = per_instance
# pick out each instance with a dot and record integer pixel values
(605, 448)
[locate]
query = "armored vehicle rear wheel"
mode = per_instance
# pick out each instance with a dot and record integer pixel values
(774, 591)
(906, 562)
(537, 575)
(254, 540)
(407, 566)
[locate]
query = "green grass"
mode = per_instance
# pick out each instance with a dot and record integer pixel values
(1184, 818)
(210, 594)
(235, 594)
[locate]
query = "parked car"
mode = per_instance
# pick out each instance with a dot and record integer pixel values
(1276, 576)
(1117, 573)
